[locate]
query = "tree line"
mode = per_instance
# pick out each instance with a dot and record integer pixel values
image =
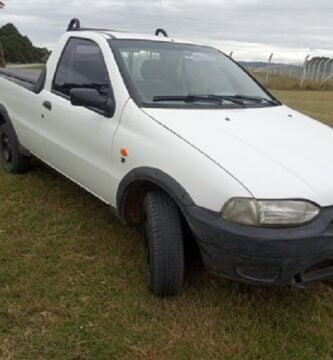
(19, 49)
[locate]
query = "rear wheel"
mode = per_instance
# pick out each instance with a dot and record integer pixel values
(164, 245)
(11, 159)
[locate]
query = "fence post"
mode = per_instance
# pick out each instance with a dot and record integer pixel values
(231, 54)
(313, 72)
(325, 69)
(330, 74)
(319, 68)
(300, 71)
(268, 68)
(290, 73)
(304, 70)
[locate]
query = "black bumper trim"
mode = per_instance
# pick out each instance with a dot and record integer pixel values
(267, 256)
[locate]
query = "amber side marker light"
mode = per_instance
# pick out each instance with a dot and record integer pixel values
(123, 152)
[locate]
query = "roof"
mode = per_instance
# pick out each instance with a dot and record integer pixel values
(116, 34)
(75, 26)
(139, 36)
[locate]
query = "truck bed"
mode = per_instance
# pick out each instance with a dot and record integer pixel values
(23, 77)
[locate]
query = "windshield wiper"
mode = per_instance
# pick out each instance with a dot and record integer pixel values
(195, 98)
(257, 99)
(232, 99)
(186, 98)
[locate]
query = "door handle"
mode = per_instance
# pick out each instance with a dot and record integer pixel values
(47, 105)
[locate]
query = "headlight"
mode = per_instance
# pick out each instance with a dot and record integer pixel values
(269, 212)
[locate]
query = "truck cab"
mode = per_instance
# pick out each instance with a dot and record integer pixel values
(175, 135)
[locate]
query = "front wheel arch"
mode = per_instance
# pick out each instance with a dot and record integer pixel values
(138, 182)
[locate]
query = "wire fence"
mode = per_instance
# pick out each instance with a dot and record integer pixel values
(318, 71)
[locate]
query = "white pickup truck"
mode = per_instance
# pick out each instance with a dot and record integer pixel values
(173, 134)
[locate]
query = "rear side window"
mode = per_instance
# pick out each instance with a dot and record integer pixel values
(81, 66)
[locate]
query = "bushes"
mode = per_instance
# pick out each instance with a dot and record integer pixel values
(19, 49)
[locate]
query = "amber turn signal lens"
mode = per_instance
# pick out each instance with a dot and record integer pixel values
(123, 152)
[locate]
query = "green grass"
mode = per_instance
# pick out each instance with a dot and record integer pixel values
(72, 286)
(278, 82)
(317, 104)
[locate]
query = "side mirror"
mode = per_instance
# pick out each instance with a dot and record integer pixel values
(92, 98)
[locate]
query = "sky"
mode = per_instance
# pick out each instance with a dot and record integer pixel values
(252, 29)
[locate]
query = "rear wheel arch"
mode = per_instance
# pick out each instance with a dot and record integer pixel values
(2, 120)
(11, 158)
(5, 119)
(138, 182)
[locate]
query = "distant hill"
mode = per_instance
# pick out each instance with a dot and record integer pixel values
(254, 64)
(19, 49)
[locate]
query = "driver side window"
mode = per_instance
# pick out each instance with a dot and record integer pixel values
(81, 66)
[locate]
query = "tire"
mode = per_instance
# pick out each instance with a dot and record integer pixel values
(164, 245)
(10, 157)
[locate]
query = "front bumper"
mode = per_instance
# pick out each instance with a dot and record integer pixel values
(267, 256)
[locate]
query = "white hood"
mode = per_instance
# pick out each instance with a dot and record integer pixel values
(274, 152)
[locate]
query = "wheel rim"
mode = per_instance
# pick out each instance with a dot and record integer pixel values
(146, 250)
(6, 148)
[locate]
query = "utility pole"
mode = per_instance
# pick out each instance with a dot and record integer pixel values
(2, 55)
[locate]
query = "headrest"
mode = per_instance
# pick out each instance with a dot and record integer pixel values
(152, 70)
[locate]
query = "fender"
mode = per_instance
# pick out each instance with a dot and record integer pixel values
(4, 115)
(155, 178)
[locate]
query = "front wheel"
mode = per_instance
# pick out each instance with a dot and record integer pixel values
(11, 158)
(164, 245)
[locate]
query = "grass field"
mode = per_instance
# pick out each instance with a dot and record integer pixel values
(318, 104)
(72, 286)
(278, 82)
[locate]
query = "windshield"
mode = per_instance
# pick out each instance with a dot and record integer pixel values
(167, 74)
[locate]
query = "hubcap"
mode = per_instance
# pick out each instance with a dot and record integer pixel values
(6, 148)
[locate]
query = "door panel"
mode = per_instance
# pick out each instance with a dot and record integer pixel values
(77, 141)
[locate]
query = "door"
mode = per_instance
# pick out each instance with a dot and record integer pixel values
(77, 141)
